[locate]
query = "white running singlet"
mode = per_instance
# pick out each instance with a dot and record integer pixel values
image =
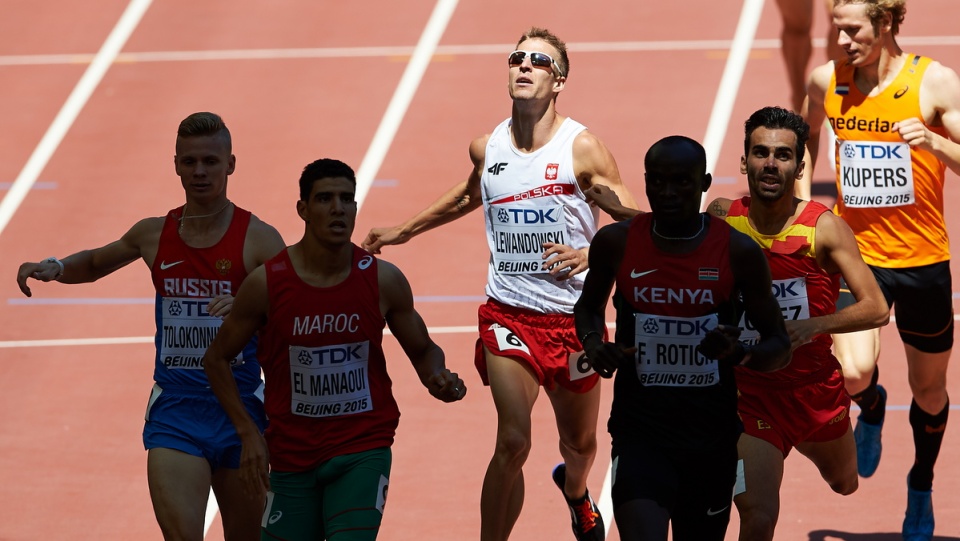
(528, 199)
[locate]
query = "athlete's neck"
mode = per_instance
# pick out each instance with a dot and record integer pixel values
(876, 76)
(772, 217)
(321, 265)
(533, 126)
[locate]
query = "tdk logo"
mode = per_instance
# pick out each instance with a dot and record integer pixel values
(496, 168)
(872, 152)
(533, 216)
(786, 290)
(677, 327)
(335, 355)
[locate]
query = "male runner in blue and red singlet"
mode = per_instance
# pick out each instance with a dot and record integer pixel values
(198, 255)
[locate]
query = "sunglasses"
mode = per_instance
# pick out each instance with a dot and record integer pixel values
(540, 60)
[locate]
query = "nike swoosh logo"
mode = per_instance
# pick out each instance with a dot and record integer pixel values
(164, 265)
(711, 512)
(635, 274)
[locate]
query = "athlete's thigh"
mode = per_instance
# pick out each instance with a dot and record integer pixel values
(857, 352)
(514, 388)
(179, 488)
(923, 297)
(355, 490)
(835, 459)
(642, 520)
(762, 477)
(706, 496)
(294, 507)
(642, 471)
(240, 510)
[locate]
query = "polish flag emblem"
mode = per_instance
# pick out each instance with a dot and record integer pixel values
(551, 173)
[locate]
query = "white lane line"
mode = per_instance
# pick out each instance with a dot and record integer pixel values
(712, 142)
(403, 51)
(71, 109)
(402, 97)
(121, 340)
(730, 81)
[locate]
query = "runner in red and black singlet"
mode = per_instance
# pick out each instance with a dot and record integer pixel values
(679, 275)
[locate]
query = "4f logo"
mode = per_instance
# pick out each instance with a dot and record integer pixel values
(496, 168)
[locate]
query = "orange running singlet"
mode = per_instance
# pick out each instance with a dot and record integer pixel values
(889, 193)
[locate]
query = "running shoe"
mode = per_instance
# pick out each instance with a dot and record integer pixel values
(585, 516)
(867, 436)
(918, 523)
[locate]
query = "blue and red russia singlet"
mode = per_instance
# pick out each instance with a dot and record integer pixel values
(665, 304)
(530, 198)
(327, 389)
(890, 193)
(802, 288)
(186, 279)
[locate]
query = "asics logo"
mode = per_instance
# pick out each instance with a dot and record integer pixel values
(164, 265)
(635, 274)
(901, 92)
(711, 512)
(275, 517)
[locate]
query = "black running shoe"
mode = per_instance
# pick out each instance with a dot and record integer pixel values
(586, 520)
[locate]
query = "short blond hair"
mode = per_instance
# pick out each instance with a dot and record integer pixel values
(876, 9)
(543, 34)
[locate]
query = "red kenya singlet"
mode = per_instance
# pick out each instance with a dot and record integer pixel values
(666, 303)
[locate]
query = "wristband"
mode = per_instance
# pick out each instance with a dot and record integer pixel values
(583, 339)
(59, 264)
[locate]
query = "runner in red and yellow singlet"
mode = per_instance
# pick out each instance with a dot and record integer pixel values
(803, 405)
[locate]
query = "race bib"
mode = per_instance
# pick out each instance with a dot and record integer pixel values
(579, 367)
(668, 351)
(874, 174)
(186, 333)
(519, 234)
(329, 381)
(791, 294)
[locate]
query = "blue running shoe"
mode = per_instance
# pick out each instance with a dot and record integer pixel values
(867, 436)
(918, 523)
(587, 522)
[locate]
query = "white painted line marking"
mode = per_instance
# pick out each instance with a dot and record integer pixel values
(402, 97)
(71, 109)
